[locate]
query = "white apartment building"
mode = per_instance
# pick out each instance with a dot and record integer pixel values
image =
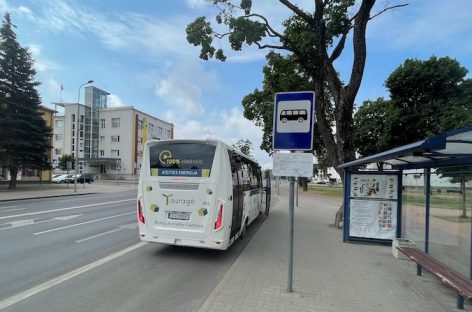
(110, 139)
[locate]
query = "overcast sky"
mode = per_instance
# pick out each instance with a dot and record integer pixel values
(137, 51)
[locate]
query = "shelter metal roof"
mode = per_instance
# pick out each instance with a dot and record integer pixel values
(447, 149)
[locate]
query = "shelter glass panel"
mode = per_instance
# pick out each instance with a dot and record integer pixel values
(413, 207)
(450, 227)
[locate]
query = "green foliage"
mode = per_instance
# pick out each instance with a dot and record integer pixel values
(459, 115)
(337, 21)
(370, 134)
(456, 174)
(311, 41)
(427, 98)
(24, 135)
(63, 162)
(244, 30)
(245, 146)
(199, 32)
(423, 93)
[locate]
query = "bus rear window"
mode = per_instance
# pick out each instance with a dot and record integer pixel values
(181, 159)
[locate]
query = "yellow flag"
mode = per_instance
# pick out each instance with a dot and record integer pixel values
(144, 130)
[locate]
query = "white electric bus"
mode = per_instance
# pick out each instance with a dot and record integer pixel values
(199, 193)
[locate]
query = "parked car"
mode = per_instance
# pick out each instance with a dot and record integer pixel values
(85, 178)
(59, 178)
(69, 178)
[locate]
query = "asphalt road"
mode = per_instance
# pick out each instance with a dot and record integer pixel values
(83, 253)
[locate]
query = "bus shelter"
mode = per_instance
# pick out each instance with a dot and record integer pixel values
(421, 193)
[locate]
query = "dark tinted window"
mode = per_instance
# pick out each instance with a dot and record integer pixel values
(181, 159)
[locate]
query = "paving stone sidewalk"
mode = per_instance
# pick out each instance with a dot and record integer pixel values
(329, 275)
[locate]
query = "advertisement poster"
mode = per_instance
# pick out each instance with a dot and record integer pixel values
(373, 219)
(374, 186)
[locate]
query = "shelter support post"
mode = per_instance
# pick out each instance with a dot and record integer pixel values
(400, 204)
(427, 177)
(347, 189)
(460, 302)
(470, 250)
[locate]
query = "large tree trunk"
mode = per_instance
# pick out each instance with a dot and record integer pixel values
(13, 173)
(340, 146)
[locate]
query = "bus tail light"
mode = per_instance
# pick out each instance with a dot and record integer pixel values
(140, 212)
(219, 217)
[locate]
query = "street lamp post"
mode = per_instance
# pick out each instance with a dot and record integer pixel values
(77, 121)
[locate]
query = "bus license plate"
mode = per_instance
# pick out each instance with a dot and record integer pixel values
(178, 215)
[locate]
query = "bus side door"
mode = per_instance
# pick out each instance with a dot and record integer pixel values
(238, 197)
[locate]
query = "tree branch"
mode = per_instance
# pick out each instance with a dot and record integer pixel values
(297, 11)
(359, 45)
(268, 27)
(388, 8)
(264, 46)
(339, 47)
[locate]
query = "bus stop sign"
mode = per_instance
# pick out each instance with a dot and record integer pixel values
(293, 121)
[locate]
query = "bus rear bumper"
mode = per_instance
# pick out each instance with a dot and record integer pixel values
(180, 241)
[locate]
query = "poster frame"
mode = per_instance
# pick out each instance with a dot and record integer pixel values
(347, 209)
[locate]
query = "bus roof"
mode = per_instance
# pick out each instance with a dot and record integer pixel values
(207, 141)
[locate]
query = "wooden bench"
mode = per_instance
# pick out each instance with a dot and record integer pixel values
(461, 284)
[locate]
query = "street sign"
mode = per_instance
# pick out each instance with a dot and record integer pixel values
(293, 121)
(293, 164)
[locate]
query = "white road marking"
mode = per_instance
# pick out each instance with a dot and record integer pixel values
(8, 207)
(82, 223)
(65, 218)
(121, 227)
(21, 223)
(16, 209)
(67, 276)
(65, 209)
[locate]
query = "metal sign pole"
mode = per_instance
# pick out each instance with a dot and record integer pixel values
(291, 230)
(296, 199)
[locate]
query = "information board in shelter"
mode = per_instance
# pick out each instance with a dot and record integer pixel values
(373, 219)
(374, 186)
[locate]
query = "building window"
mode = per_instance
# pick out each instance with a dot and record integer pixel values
(115, 167)
(102, 139)
(102, 123)
(140, 140)
(58, 137)
(115, 139)
(115, 153)
(115, 122)
(57, 151)
(159, 131)
(73, 117)
(150, 128)
(59, 123)
(140, 154)
(102, 153)
(168, 134)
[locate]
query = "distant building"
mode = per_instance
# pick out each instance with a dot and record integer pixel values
(110, 140)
